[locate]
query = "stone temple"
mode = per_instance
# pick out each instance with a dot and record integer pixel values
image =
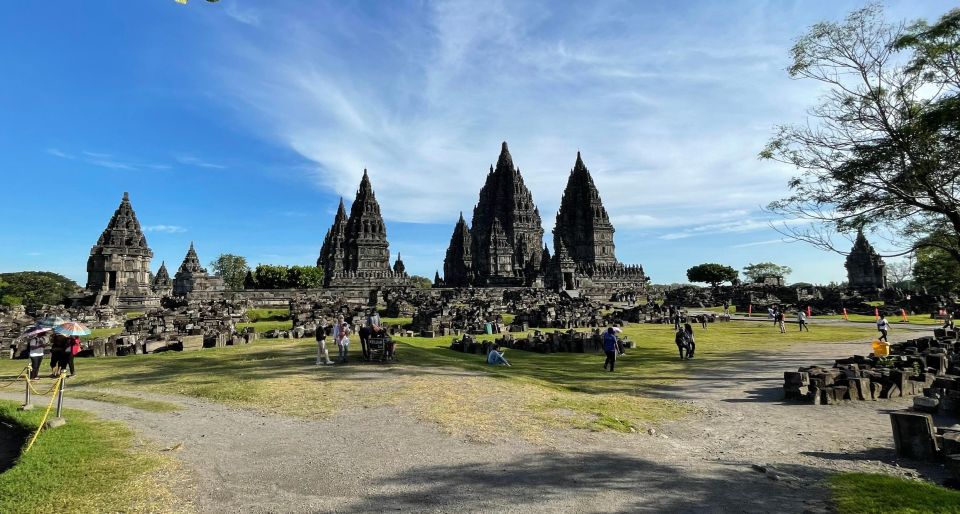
(866, 270)
(355, 251)
(192, 277)
(118, 269)
(162, 283)
(505, 248)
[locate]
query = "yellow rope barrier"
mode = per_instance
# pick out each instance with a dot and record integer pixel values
(53, 398)
(15, 380)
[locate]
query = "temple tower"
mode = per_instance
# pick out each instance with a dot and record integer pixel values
(118, 269)
(193, 277)
(583, 225)
(399, 267)
(507, 231)
(458, 263)
(333, 251)
(866, 270)
(366, 248)
(162, 284)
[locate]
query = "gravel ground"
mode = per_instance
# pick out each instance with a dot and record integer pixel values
(746, 452)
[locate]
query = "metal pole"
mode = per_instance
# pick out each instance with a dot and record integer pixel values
(63, 383)
(26, 400)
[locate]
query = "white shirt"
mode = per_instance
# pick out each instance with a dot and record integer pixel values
(341, 333)
(883, 324)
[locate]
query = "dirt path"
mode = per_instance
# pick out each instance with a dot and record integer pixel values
(374, 460)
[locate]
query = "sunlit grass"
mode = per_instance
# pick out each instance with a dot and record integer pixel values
(863, 493)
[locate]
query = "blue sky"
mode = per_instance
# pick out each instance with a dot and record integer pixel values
(237, 125)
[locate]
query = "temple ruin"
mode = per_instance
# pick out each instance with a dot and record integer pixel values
(866, 271)
(193, 277)
(118, 269)
(355, 252)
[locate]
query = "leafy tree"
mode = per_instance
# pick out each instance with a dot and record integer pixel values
(713, 274)
(305, 277)
(937, 271)
(232, 268)
(421, 282)
(272, 277)
(881, 148)
(760, 271)
(35, 288)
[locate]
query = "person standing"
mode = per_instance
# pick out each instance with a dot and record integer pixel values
(35, 346)
(610, 348)
(778, 317)
(72, 350)
(802, 320)
(341, 335)
(689, 340)
(59, 348)
(323, 356)
(884, 327)
(681, 341)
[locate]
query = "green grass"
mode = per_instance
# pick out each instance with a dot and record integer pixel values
(127, 401)
(266, 326)
(255, 315)
(87, 465)
(104, 333)
(870, 318)
(856, 493)
(134, 314)
(540, 391)
(732, 309)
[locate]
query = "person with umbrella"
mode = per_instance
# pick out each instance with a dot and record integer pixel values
(36, 343)
(70, 333)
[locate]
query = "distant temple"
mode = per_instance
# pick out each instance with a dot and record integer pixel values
(866, 270)
(193, 277)
(355, 251)
(118, 269)
(505, 245)
(162, 284)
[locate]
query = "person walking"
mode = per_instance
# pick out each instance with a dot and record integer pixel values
(59, 348)
(681, 342)
(802, 320)
(689, 339)
(341, 335)
(35, 346)
(884, 327)
(610, 348)
(703, 321)
(323, 356)
(778, 317)
(72, 352)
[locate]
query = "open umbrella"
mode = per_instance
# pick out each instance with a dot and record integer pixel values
(51, 321)
(71, 328)
(32, 331)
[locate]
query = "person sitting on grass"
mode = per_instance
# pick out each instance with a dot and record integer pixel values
(496, 358)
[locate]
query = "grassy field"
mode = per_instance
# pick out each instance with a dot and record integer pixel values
(869, 318)
(862, 493)
(458, 391)
(87, 465)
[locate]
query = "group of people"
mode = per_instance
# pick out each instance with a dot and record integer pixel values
(778, 316)
(340, 331)
(63, 349)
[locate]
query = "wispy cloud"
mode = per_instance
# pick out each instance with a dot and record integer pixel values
(167, 229)
(190, 160)
(758, 243)
(246, 16)
(106, 160)
(670, 121)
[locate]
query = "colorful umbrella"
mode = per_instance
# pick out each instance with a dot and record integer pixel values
(51, 321)
(32, 331)
(72, 328)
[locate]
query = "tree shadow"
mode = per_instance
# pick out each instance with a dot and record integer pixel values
(592, 481)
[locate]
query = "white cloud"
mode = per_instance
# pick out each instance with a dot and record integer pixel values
(106, 160)
(245, 16)
(190, 160)
(167, 229)
(758, 243)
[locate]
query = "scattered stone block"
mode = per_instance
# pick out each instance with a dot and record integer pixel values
(913, 435)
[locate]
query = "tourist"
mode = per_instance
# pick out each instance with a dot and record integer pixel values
(59, 348)
(726, 307)
(778, 319)
(703, 321)
(72, 352)
(323, 356)
(341, 334)
(496, 358)
(689, 339)
(802, 320)
(610, 348)
(35, 346)
(677, 320)
(681, 343)
(884, 327)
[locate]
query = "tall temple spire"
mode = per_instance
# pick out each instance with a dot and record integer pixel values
(458, 262)
(866, 270)
(193, 277)
(583, 227)
(120, 261)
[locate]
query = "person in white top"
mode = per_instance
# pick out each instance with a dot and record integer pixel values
(883, 326)
(35, 346)
(323, 356)
(341, 335)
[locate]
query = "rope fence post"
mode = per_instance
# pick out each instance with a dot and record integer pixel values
(27, 404)
(59, 421)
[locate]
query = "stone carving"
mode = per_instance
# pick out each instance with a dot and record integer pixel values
(162, 284)
(866, 270)
(118, 269)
